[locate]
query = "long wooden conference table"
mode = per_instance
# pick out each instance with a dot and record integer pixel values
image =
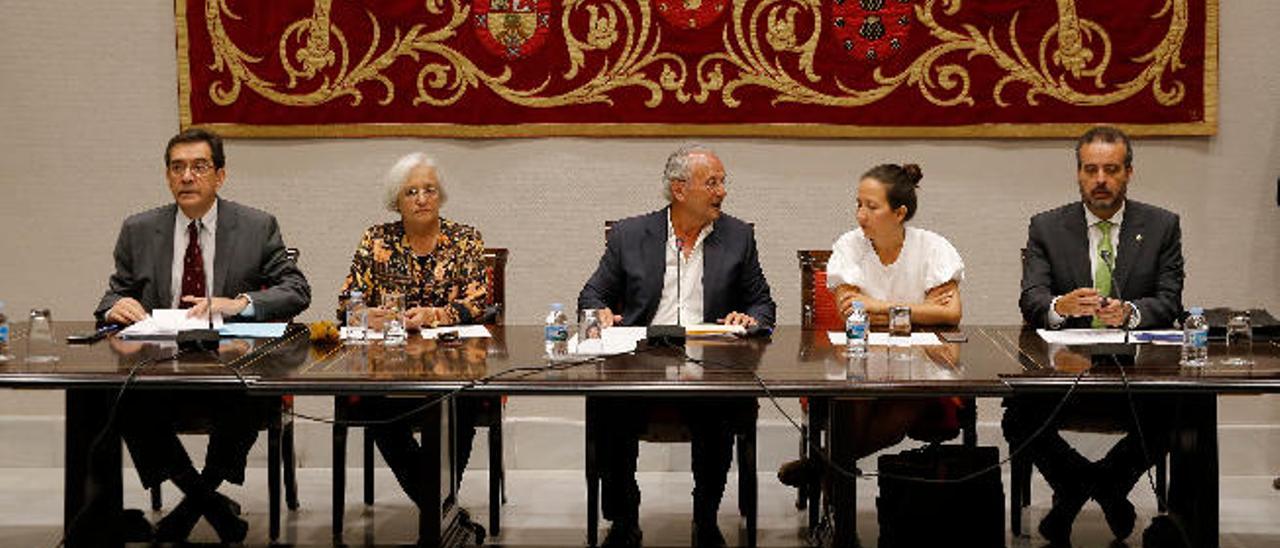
(996, 361)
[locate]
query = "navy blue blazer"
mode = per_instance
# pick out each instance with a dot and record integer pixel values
(1148, 270)
(634, 262)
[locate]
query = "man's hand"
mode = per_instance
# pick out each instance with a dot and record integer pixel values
(1081, 302)
(608, 318)
(221, 305)
(126, 311)
(376, 317)
(738, 318)
(420, 317)
(1113, 312)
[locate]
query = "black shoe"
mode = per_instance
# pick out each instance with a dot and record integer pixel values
(1055, 527)
(132, 526)
(177, 525)
(1117, 509)
(220, 512)
(799, 473)
(477, 530)
(623, 534)
(707, 535)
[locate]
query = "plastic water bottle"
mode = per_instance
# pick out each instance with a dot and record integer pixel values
(556, 332)
(4, 336)
(857, 328)
(1195, 339)
(357, 317)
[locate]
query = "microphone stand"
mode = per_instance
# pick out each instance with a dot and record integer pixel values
(201, 340)
(1118, 354)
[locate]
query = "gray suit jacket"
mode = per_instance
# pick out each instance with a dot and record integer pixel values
(631, 271)
(1148, 270)
(249, 258)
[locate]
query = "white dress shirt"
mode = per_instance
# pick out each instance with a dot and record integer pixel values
(683, 275)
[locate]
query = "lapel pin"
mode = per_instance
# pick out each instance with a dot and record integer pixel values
(1139, 238)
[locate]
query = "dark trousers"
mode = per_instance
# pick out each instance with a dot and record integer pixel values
(149, 422)
(401, 450)
(1061, 465)
(711, 425)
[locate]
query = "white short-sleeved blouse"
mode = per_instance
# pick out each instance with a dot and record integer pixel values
(927, 261)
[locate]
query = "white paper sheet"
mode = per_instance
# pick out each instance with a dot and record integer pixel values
(463, 331)
(1081, 336)
(713, 330)
(167, 322)
(613, 340)
(838, 338)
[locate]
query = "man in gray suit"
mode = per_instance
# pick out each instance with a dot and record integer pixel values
(1104, 261)
(684, 264)
(209, 255)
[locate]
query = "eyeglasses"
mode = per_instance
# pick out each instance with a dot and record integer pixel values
(425, 192)
(199, 168)
(711, 183)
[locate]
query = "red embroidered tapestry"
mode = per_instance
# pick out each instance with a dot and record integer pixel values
(773, 68)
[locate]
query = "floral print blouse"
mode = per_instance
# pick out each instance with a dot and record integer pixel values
(452, 275)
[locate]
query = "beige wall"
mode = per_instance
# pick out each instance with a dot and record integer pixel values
(88, 98)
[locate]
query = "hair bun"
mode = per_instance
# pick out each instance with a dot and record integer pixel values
(913, 173)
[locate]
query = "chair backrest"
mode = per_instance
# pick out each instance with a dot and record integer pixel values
(495, 277)
(817, 304)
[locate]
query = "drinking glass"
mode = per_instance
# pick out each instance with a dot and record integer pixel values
(40, 345)
(393, 332)
(589, 329)
(899, 321)
(1239, 339)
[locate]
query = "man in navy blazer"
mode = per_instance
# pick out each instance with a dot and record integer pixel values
(1104, 261)
(684, 264)
(166, 258)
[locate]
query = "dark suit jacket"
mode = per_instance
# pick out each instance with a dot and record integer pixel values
(634, 262)
(1148, 270)
(249, 258)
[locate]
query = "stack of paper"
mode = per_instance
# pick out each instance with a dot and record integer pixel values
(165, 323)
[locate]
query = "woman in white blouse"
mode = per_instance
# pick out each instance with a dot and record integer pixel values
(885, 263)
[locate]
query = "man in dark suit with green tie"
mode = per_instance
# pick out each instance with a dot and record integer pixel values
(1104, 261)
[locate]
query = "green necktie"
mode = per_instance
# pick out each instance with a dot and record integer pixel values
(1102, 274)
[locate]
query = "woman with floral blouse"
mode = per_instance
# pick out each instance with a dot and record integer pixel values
(438, 266)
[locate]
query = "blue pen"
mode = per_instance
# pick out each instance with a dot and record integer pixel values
(1163, 337)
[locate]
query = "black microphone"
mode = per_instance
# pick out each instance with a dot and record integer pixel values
(1117, 354)
(679, 295)
(200, 340)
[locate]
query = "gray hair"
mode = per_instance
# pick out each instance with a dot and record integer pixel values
(395, 177)
(679, 167)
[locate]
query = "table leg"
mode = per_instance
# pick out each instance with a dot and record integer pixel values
(844, 508)
(438, 516)
(92, 485)
(1193, 470)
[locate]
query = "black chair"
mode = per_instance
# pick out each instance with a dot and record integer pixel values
(495, 262)
(280, 450)
(666, 430)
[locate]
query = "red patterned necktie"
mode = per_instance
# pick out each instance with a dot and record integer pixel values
(192, 266)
